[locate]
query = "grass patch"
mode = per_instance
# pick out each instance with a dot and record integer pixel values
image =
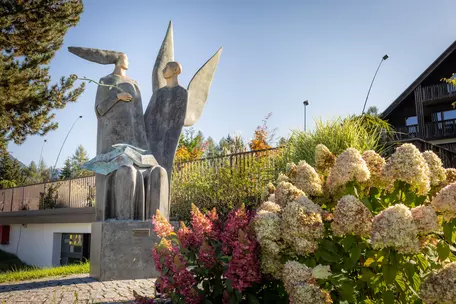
(31, 273)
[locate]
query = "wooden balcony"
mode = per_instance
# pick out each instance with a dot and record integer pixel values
(437, 92)
(432, 130)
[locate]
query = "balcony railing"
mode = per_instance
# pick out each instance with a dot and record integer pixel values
(437, 91)
(432, 130)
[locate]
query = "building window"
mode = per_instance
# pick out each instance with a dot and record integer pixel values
(410, 121)
(75, 248)
(445, 115)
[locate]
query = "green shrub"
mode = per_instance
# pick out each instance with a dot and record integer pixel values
(360, 132)
(222, 183)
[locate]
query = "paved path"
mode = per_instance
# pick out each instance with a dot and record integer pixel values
(74, 289)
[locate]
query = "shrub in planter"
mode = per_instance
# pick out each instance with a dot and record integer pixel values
(362, 229)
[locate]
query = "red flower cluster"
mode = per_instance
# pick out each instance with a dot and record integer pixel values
(244, 268)
(207, 255)
(161, 225)
(237, 220)
(175, 275)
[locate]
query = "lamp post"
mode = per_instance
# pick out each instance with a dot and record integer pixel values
(381, 61)
(55, 165)
(305, 103)
(41, 154)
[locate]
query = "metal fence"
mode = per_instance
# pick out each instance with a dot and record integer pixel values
(80, 192)
(70, 193)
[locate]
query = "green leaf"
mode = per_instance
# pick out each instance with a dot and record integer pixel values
(388, 297)
(369, 262)
(367, 203)
(348, 242)
(423, 263)
(389, 274)
(366, 274)
(252, 299)
(448, 231)
(327, 256)
(355, 254)
(416, 281)
(229, 286)
(401, 283)
(443, 250)
(347, 291)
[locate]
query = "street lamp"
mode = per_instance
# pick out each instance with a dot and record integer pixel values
(383, 59)
(305, 103)
(41, 154)
(55, 165)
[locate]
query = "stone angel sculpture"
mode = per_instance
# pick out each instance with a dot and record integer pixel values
(172, 107)
(130, 183)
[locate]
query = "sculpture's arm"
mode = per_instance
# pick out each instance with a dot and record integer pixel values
(104, 106)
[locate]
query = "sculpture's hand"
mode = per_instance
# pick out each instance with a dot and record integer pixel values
(124, 96)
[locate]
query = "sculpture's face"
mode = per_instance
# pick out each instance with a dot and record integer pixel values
(123, 62)
(169, 71)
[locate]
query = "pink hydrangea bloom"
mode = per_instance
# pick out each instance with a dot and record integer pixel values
(207, 255)
(237, 219)
(161, 225)
(202, 226)
(244, 267)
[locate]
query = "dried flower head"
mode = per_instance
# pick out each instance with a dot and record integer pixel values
(324, 159)
(267, 230)
(295, 273)
(301, 228)
(269, 207)
(291, 170)
(440, 287)
(350, 166)
(270, 189)
(282, 178)
(270, 264)
(307, 179)
(450, 175)
(437, 173)
(286, 192)
(375, 163)
(394, 227)
(309, 294)
(445, 202)
(425, 219)
(408, 165)
(351, 216)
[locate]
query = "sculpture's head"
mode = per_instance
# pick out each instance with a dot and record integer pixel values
(172, 69)
(122, 62)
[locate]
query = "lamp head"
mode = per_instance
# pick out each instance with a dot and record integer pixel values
(306, 103)
(385, 57)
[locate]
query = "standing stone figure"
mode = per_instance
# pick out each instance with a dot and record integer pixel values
(172, 107)
(130, 192)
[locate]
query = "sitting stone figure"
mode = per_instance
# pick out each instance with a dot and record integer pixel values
(133, 190)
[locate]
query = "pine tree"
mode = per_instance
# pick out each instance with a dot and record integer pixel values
(30, 34)
(67, 171)
(10, 172)
(79, 158)
(44, 173)
(31, 174)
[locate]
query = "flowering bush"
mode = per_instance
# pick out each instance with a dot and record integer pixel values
(210, 261)
(361, 229)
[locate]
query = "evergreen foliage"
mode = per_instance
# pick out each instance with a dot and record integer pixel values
(30, 34)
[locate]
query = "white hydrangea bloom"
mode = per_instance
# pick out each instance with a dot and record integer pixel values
(271, 198)
(308, 205)
(445, 202)
(324, 159)
(309, 294)
(295, 273)
(307, 179)
(437, 173)
(408, 165)
(321, 272)
(286, 192)
(375, 163)
(267, 229)
(301, 228)
(440, 287)
(394, 227)
(269, 207)
(425, 219)
(267, 191)
(270, 264)
(351, 216)
(450, 175)
(350, 166)
(282, 178)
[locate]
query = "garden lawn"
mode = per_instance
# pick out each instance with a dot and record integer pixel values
(13, 270)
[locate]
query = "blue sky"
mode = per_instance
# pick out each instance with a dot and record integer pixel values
(276, 55)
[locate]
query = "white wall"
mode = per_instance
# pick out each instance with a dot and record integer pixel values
(39, 244)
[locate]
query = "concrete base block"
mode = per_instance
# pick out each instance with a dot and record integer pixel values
(122, 250)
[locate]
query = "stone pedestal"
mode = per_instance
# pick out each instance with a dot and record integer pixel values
(122, 250)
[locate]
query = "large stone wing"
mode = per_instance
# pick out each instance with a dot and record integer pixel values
(165, 55)
(198, 89)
